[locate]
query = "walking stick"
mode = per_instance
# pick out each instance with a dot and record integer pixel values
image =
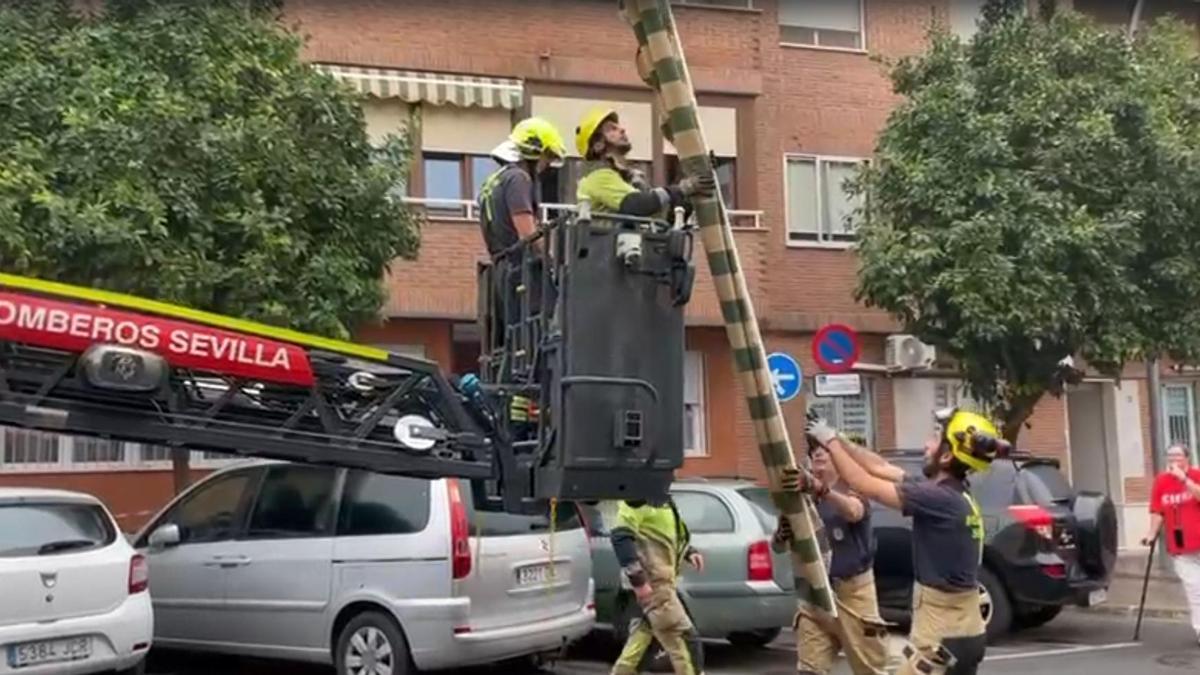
(1137, 631)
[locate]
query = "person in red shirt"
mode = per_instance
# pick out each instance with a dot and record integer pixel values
(1175, 504)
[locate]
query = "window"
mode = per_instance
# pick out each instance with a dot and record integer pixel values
(46, 528)
(295, 501)
(25, 447)
(818, 205)
(952, 393)
(482, 166)
(764, 508)
(156, 453)
(965, 16)
(454, 178)
(380, 504)
(210, 513)
(694, 429)
(703, 513)
(852, 414)
(836, 24)
(1179, 413)
(443, 177)
(90, 450)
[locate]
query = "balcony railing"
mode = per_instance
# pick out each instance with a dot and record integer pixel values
(466, 210)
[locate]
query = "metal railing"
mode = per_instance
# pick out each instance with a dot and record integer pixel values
(467, 210)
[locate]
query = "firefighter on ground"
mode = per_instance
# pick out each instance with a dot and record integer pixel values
(858, 630)
(652, 542)
(613, 186)
(947, 634)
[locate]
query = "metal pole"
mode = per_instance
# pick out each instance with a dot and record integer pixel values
(1154, 401)
(1137, 630)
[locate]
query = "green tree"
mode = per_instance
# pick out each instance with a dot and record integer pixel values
(183, 151)
(1034, 198)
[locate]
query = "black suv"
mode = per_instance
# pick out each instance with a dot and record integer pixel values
(1046, 545)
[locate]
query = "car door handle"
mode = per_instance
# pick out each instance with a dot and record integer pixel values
(228, 561)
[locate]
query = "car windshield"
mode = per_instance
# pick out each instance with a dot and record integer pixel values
(47, 528)
(1046, 484)
(763, 507)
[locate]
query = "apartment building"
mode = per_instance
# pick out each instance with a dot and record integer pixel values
(790, 103)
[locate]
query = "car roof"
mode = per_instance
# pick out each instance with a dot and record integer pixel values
(15, 494)
(731, 482)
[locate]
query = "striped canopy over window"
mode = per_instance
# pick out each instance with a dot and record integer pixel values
(464, 91)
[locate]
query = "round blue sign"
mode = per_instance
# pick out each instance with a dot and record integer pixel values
(786, 375)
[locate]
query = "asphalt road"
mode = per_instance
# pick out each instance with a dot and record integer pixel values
(1076, 643)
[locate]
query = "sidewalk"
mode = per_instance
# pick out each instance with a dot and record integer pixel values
(1164, 593)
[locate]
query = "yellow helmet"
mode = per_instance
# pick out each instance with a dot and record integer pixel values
(972, 438)
(535, 137)
(588, 126)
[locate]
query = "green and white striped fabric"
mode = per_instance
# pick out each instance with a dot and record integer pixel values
(662, 66)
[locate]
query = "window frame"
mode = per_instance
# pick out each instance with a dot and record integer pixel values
(700, 433)
(342, 500)
(862, 33)
(1189, 389)
(868, 393)
(822, 238)
(254, 476)
(251, 507)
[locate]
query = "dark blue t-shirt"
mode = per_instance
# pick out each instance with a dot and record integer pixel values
(852, 544)
(946, 534)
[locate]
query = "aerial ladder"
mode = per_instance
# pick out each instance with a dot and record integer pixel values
(579, 395)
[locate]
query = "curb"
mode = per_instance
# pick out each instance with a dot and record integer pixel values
(1132, 610)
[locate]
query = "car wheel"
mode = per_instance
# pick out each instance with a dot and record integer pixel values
(994, 605)
(372, 644)
(1039, 616)
(756, 639)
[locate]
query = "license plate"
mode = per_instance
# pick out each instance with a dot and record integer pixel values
(1097, 597)
(49, 651)
(533, 575)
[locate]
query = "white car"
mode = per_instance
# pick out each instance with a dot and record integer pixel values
(74, 595)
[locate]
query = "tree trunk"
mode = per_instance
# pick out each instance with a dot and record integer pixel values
(1018, 411)
(180, 468)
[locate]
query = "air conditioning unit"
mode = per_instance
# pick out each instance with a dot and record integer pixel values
(906, 352)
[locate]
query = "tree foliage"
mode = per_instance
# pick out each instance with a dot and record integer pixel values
(182, 151)
(1034, 197)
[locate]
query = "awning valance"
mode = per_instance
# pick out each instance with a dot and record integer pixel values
(413, 86)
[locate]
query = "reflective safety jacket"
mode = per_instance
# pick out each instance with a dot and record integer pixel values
(614, 190)
(641, 522)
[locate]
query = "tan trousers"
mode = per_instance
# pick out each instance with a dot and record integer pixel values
(858, 631)
(665, 620)
(947, 635)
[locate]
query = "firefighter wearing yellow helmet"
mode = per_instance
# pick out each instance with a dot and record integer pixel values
(612, 185)
(948, 634)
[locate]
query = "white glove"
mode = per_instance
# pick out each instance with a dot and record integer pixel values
(820, 430)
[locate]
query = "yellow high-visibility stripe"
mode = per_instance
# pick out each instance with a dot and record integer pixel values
(98, 296)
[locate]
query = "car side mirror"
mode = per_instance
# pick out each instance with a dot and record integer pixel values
(165, 536)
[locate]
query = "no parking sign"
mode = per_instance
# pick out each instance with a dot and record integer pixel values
(836, 348)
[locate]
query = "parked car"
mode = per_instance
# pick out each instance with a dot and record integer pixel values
(1046, 545)
(362, 570)
(745, 593)
(73, 592)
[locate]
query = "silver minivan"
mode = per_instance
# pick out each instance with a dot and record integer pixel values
(371, 573)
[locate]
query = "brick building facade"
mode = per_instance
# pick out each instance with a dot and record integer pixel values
(790, 101)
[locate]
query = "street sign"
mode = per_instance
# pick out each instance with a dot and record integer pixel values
(844, 384)
(786, 375)
(836, 348)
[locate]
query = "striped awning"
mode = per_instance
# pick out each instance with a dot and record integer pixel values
(413, 86)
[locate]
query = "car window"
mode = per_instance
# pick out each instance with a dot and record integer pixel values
(209, 513)
(49, 528)
(295, 501)
(1045, 483)
(493, 521)
(703, 513)
(760, 502)
(374, 503)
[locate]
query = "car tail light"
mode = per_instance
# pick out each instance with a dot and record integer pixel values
(1034, 518)
(460, 544)
(759, 562)
(139, 574)
(1055, 571)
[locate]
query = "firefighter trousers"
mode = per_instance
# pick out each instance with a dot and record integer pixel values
(948, 635)
(858, 631)
(663, 619)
